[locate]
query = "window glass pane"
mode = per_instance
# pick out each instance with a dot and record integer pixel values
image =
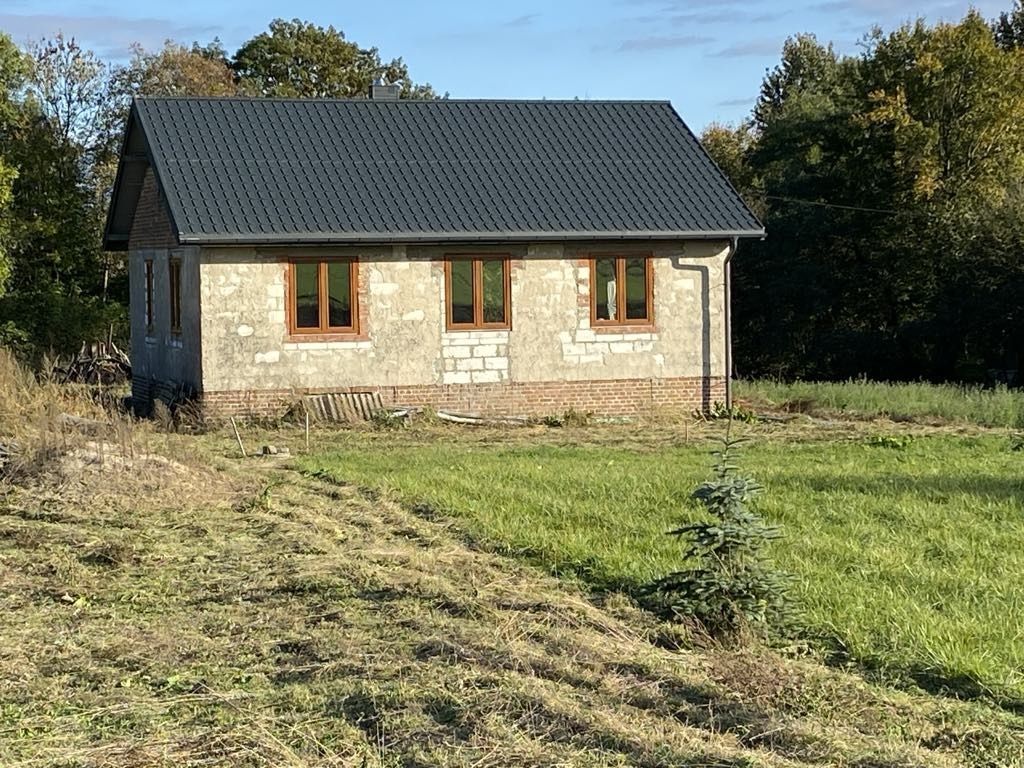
(636, 289)
(174, 275)
(307, 299)
(339, 294)
(462, 291)
(604, 289)
(494, 290)
(149, 293)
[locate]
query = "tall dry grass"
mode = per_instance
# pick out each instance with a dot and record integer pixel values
(42, 421)
(901, 401)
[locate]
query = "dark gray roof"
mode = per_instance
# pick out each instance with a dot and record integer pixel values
(289, 170)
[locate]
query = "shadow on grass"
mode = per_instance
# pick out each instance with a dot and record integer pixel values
(937, 682)
(590, 574)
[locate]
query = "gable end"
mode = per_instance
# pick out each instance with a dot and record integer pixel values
(151, 226)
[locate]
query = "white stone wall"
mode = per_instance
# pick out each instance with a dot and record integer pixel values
(552, 292)
(245, 343)
(474, 357)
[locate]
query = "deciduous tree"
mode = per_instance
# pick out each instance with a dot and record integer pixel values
(300, 59)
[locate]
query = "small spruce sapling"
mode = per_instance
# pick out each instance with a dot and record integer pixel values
(731, 584)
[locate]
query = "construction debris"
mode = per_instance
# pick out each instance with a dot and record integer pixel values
(101, 362)
(474, 418)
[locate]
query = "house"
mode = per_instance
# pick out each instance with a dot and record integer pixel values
(514, 257)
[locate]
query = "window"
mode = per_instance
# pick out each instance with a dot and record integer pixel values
(174, 281)
(477, 292)
(149, 295)
(322, 296)
(621, 290)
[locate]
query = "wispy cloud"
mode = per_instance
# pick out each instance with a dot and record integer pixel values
(750, 48)
(881, 10)
(525, 20)
(728, 103)
(702, 18)
(109, 36)
(663, 42)
(708, 14)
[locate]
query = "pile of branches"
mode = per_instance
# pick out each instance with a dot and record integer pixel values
(99, 362)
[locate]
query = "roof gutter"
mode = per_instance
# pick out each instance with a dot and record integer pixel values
(376, 238)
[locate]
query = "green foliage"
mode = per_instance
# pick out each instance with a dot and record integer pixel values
(53, 320)
(721, 412)
(571, 418)
(730, 584)
(883, 179)
(896, 442)
(68, 84)
(13, 68)
(300, 59)
(387, 420)
(1017, 441)
(1009, 28)
(7, 177)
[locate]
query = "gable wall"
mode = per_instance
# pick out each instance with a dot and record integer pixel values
(550, 360)
(163, 364)
(151, 227)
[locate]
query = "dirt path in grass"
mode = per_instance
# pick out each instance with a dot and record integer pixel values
(250, 615)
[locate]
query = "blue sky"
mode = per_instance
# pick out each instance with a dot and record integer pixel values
(707, 57)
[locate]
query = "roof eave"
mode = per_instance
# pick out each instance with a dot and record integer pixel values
(398, 238)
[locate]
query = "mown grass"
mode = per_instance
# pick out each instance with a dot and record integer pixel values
(907, 553)
(213, 612)
(168, 603)
(950, 403)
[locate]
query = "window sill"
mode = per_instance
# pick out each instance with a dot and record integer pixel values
(319, 338)
(625, 328)
(478, 329)
(175, 342)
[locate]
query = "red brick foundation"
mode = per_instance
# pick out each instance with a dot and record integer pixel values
(609, 397)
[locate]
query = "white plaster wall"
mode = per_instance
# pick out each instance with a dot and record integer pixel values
(246, 344)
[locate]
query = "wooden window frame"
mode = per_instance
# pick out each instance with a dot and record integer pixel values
(174, 286)
(149, 296)
(621, 321)
(323, 330)
(477, 260)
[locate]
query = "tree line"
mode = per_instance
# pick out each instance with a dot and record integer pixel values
(62, 115)
(891, 184)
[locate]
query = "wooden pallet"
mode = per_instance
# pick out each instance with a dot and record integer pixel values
(348, 407)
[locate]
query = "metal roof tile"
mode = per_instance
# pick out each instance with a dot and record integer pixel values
(280, 169)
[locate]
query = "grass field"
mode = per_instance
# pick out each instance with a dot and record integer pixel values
(941, 403)
(907, 552)
(167, 602)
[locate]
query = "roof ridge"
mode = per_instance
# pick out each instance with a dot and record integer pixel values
(365, 100)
